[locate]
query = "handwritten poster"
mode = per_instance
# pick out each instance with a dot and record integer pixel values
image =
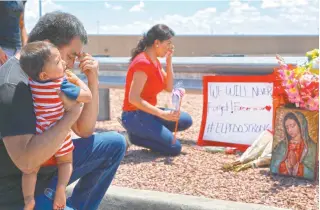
(237, 112)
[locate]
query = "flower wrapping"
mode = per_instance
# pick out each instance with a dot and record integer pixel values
(177, 95)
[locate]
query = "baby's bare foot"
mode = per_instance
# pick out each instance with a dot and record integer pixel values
(60, 198)
(29, 204)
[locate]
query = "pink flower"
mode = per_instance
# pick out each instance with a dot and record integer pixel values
(293, 95)
(288, 84)
(306, 79)
(286, 74)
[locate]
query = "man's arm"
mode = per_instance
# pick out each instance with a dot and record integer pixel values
(24, 36)
(29, 151)
(85, 125)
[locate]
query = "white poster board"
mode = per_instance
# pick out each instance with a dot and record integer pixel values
(238, 112)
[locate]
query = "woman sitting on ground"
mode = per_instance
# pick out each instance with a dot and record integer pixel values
(147, 125)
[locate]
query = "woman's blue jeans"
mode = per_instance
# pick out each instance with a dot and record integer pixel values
(154, 133)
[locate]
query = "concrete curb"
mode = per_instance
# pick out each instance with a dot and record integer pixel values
(121, 198)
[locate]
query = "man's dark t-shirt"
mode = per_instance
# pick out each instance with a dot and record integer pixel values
(16, 118)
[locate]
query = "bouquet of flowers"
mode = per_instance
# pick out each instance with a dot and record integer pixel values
(300, 84)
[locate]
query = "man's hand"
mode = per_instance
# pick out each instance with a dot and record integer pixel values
(3, 56)
(89, 66)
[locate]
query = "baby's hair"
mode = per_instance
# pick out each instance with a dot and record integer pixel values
(34, 56)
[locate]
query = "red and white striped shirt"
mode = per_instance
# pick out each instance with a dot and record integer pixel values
(48, 108)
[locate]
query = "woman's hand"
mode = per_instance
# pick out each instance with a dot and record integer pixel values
(169, 55)
(169, 115)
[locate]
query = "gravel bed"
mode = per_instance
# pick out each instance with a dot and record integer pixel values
(199, 173)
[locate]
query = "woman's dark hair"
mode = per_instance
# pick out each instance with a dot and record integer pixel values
(34, 56)
(159, 32)
(291, 116)
(59, 28)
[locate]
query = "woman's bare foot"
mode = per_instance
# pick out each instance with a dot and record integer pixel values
(60, 198)
(29, 204)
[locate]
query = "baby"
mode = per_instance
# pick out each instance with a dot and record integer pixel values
(48, 76)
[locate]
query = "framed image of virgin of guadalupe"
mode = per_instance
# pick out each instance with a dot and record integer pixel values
(295, 143)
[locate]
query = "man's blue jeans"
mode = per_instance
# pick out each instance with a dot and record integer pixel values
(152, 132)
(95, 161)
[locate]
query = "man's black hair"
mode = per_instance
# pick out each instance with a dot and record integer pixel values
(59, 28)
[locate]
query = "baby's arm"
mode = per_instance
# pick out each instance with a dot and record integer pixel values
(76, 89)
(85, 95)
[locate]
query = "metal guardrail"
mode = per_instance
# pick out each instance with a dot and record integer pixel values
(206, 64)
(113, 69)
(188, 70)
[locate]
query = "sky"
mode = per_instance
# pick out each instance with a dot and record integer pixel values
(211, 17)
